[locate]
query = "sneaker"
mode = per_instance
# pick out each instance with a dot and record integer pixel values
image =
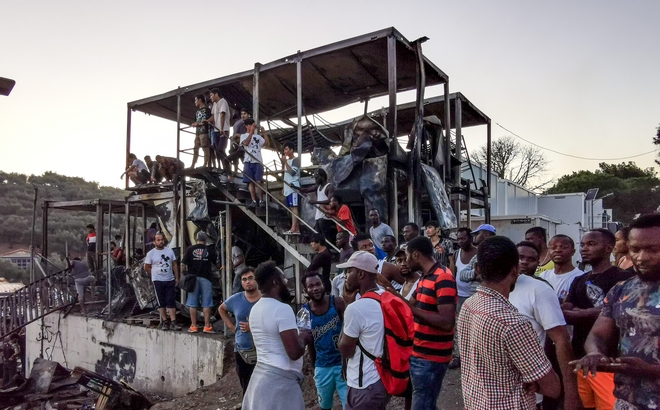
(165, 325)
(175, 326)
(252, 204)
(262, 204)
(208, 329)
(193, 329)
(455, 363)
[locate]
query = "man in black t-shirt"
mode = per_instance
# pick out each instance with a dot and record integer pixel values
(322, 261)
(199, 260)
(202, 136)
(584, 304)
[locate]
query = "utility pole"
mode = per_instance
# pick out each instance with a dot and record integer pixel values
(34, 218)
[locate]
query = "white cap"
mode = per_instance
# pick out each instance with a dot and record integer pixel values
(362, 260)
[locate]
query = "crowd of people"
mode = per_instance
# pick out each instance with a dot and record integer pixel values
(524, 334)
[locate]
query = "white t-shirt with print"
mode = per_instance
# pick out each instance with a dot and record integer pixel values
(363, 320)
(217, 109)
(561, 283)
(161, 262)
(268, 318)
(254, 147)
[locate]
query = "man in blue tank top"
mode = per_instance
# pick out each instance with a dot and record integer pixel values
(327, 313)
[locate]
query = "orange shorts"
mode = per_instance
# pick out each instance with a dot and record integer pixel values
(597, 392)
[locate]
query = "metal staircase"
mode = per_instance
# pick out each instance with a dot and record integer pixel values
(40, 298)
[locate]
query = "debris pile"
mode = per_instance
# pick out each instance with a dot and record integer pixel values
(51, 386)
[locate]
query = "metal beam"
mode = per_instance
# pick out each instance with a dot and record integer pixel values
(391, 85)
(299, 100)
(488, 169)
(255, 93)
(447, 128)
(128, 137)
(178, 124)
(261, 224)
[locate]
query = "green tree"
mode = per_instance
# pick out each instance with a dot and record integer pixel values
(13, 273)
(636, 190)
(656, 141)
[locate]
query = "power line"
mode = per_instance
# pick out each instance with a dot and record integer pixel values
(569, 155)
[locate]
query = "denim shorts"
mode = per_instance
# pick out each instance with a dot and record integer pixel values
(253, 170)
(204, 292)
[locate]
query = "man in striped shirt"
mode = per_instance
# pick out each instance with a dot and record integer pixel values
(434, 310)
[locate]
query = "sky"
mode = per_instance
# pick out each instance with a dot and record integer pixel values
(580, 78)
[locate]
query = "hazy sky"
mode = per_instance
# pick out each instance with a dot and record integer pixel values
(577, 77)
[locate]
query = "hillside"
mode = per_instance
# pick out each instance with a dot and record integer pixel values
(16, 204)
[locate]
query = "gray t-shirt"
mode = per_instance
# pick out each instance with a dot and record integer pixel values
(378, 233)
(161, 262)
(80, 270)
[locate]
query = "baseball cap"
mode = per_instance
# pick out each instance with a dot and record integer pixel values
(362, 260)
(485, 227)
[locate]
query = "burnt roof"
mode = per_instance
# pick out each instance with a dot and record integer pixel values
(333, 76)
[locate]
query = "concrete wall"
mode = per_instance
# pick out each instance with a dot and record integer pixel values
(152, 361)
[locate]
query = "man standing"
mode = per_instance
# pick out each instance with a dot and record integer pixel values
(469, 273)
(91, 248)
(82, 278)
(411, 277)
(539, 237)
(161, 264)
(198, 261)
(327, 314)
(220, 116)
(291, 167)
(443, 247)
(238, 262)
(410, 231)
(377, 230)
(253, 171)
(340, 213)
(322, 261)
(538, 303)
(434, 311)
(345, 252)
(136, 171)
(388, 273)
(502, 360)
(324, 191)
(202, 137)
(630, 320)
(462, 258)
(584, 304)
(277, 378)
(236, 152)
(363, 325)
(240, 305)
(562, 249)
(388, 245)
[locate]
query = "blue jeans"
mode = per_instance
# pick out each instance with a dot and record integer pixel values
(426, 377)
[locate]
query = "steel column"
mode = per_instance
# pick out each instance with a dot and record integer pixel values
(128, 138)
(391, 125)
(178, 122)
(255, 93)
(456, 204)
(488, 170)
(447, 128)
(109, 260)
(299, 102)
(126, 246)
(229, 263)
(99, 237)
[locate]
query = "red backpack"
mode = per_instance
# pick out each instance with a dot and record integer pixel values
(394, 365)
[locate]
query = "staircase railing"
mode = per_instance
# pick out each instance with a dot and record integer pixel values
(36, 300)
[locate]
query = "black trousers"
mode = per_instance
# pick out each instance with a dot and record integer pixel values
(244, 371)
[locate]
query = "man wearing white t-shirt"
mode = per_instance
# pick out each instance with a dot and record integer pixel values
(363, 323)
(537, 302)
(562, 249)
(276, 381)
(220, 133)
(253, 169)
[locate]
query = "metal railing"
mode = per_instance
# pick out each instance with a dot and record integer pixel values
(36, 300)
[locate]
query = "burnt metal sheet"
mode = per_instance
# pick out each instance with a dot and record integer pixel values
(333, 75)
(373, 185)
(439, 199)
(142, 285)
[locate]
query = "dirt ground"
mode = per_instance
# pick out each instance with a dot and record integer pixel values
(226, 393)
